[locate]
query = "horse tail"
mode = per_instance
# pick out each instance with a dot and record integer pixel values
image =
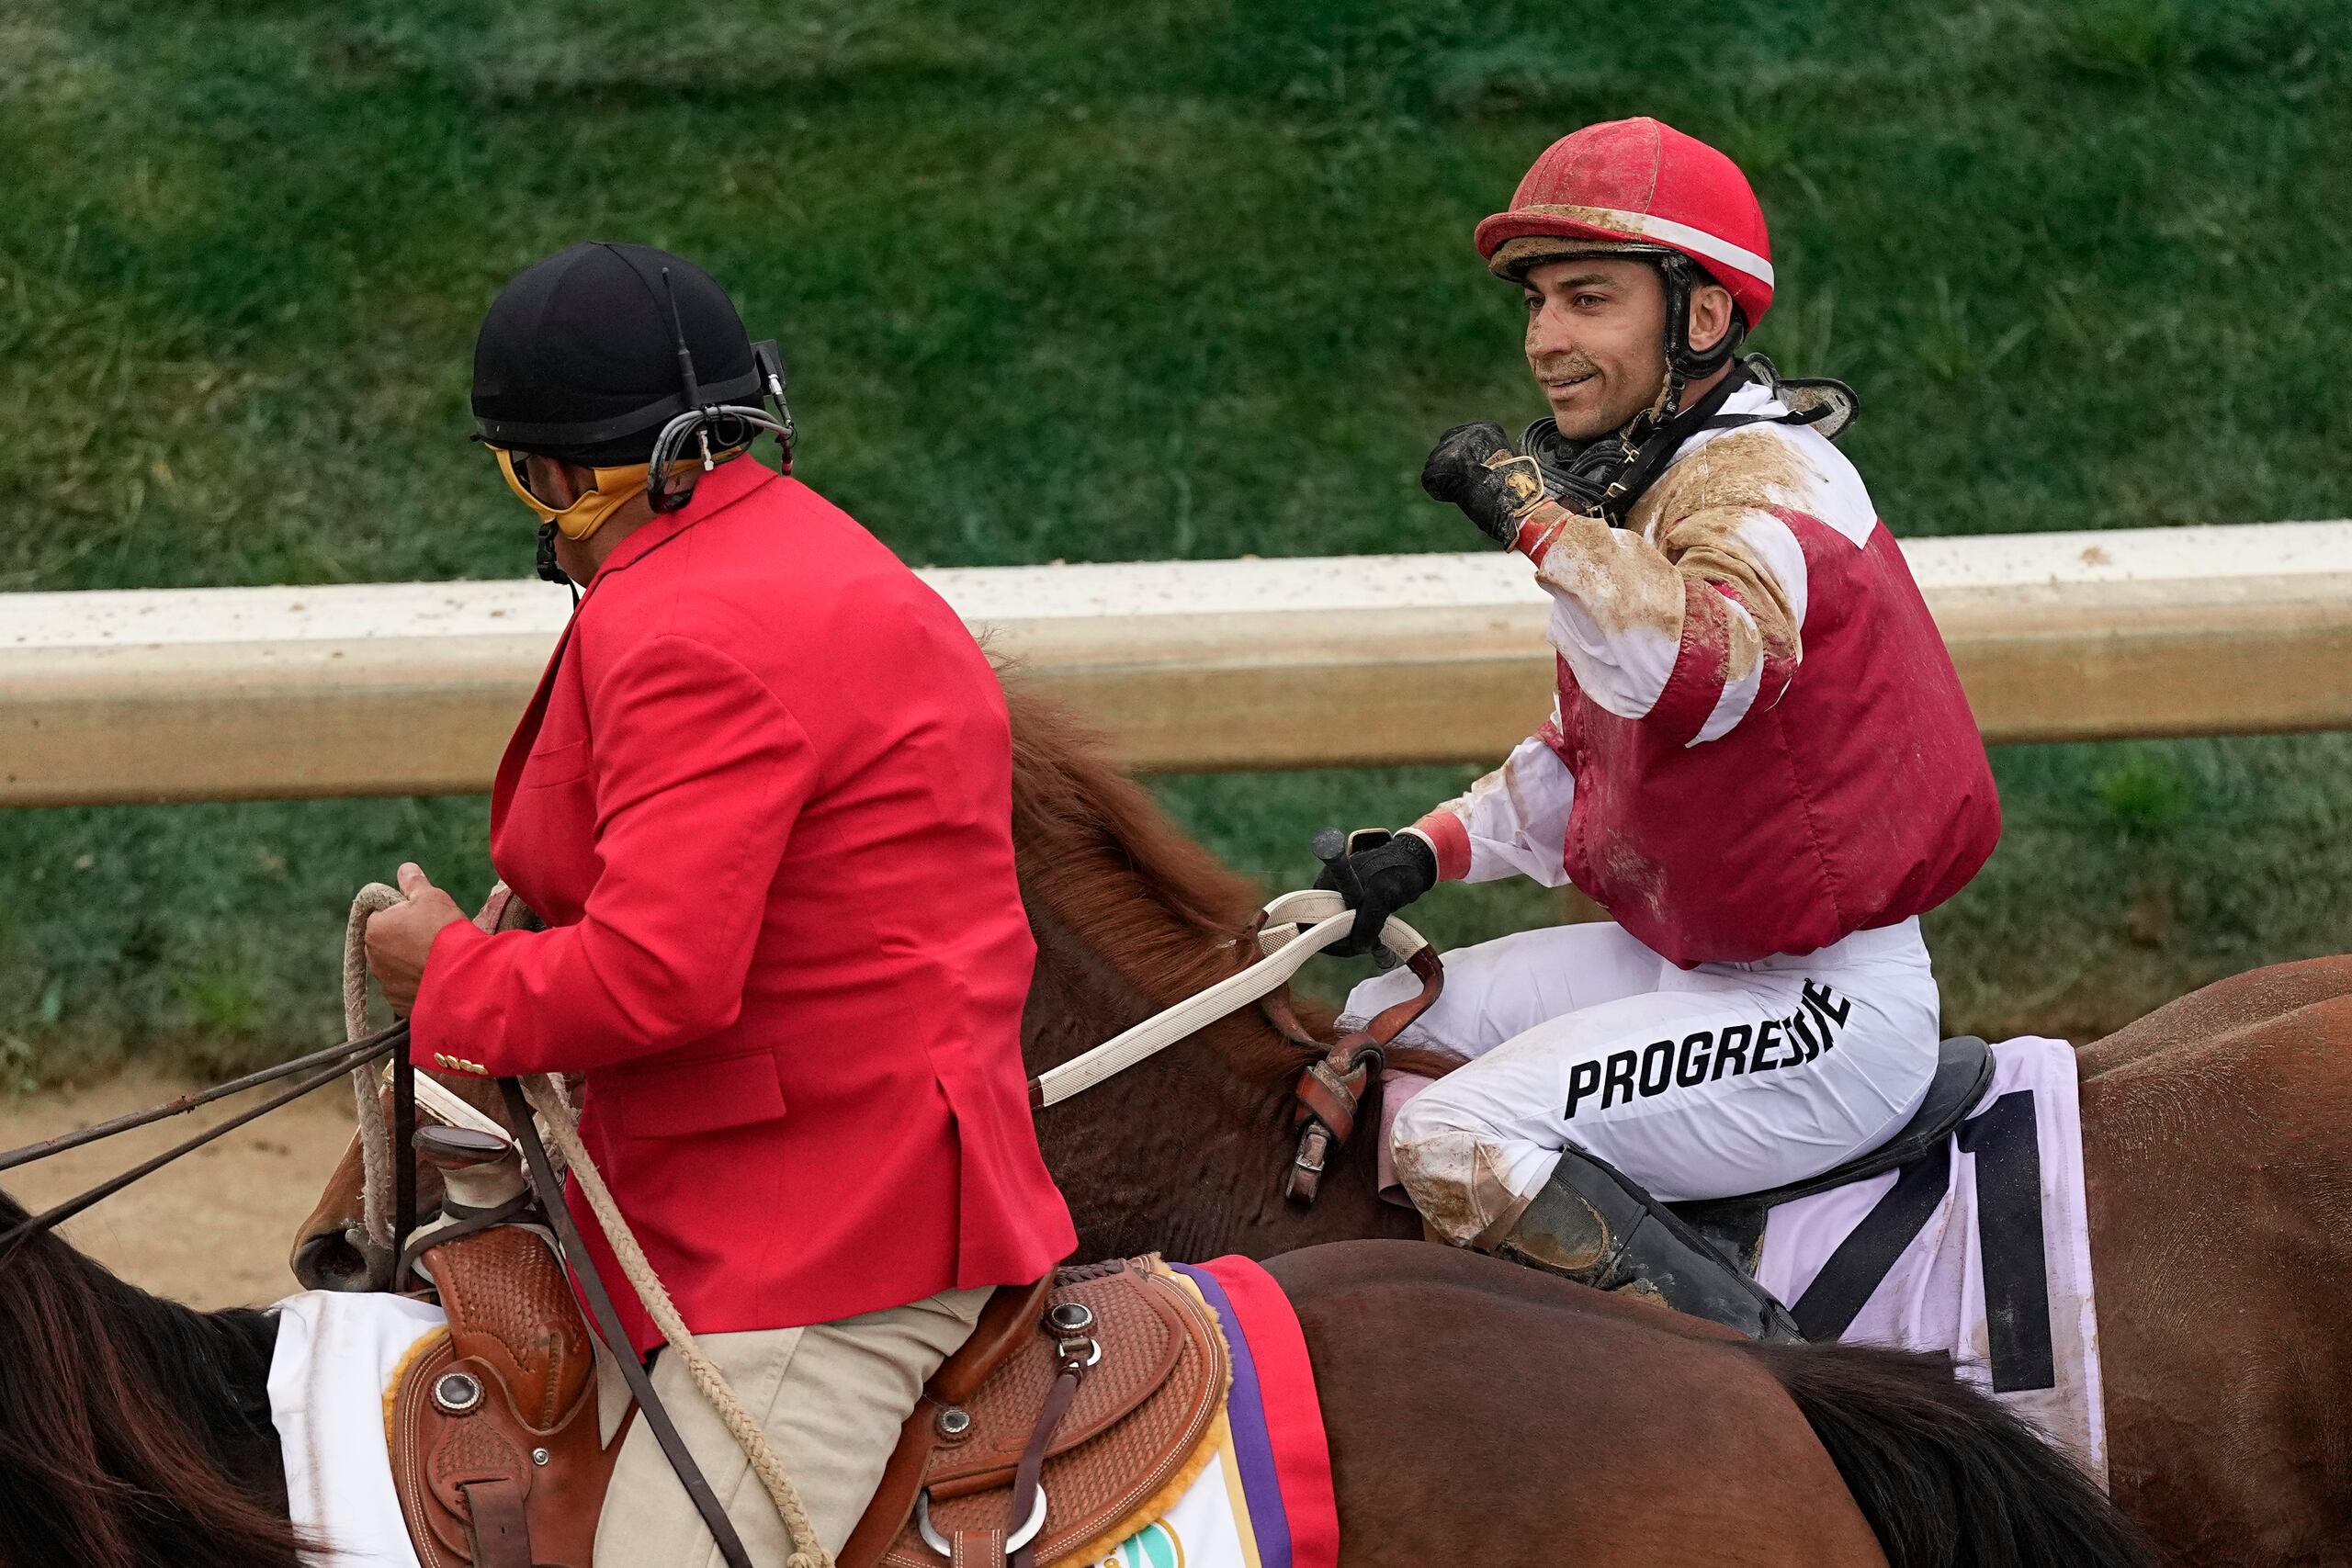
(1944, 1474)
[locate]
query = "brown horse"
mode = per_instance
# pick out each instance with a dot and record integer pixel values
(2213, 1150)
(1475, 1414)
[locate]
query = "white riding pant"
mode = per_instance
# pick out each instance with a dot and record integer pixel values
(1696, 1083)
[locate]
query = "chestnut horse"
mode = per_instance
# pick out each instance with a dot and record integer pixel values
(2214, 1134)
(1474, 1415)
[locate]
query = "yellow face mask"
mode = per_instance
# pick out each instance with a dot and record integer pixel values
(614, 489)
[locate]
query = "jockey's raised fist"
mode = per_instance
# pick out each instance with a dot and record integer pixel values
(1377, 881)
(1473, 468)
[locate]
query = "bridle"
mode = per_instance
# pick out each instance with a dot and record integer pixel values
(1330, 1092)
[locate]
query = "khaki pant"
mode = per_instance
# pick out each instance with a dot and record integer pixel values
(832, 1397)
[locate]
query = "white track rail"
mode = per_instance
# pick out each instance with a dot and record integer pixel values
(411, 688)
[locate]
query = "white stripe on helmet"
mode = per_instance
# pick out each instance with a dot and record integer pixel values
(1666, 230)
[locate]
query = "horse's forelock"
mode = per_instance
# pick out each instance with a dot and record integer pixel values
(103, 1390)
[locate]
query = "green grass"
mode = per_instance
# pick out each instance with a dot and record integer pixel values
(1184, 279)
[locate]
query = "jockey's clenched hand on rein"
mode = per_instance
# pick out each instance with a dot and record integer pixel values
(1377, 881)
(1474, 466)
(400, 938)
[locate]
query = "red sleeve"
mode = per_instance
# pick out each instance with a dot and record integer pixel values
(699, 774)
(1451, 840)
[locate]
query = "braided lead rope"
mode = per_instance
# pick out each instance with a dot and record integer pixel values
(375, 1132)
(368, 1083)
(545, 1097)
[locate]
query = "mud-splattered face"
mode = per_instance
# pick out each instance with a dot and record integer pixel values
(1596, 338)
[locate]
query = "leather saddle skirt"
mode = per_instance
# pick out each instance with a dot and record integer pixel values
(493, 1429)
(1128, 1440)
(494, 1443)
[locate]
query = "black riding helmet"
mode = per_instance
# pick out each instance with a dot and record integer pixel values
(578, 357)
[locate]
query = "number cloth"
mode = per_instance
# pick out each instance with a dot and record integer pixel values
(1981, 1249)
(1266, 1500)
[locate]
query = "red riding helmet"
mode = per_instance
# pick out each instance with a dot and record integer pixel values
(1639, 188)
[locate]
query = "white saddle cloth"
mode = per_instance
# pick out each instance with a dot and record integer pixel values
(334, 1364)
(2015, 1175)
(1999, 1271)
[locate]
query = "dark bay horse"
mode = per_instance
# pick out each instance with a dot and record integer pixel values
(2214, 1131)
(1475, 1415)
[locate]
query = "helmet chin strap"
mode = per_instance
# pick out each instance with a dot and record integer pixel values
(1607, 477)
(1683, 279)
(548, 570)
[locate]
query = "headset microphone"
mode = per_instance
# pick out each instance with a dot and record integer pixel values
(734, 421)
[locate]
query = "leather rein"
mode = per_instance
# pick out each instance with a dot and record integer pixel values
(1288, 931)
(1330, 1092)
(313, 1071)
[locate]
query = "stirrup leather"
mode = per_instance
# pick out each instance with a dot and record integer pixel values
(1591, 1224)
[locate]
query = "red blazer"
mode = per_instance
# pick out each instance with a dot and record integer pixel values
(762, 799)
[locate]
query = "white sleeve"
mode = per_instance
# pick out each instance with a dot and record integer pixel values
(1514, 821)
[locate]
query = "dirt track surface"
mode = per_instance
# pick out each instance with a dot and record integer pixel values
(213, 1230)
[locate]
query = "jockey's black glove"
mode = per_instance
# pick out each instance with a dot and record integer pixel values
(1474, 466)
(1379, 875)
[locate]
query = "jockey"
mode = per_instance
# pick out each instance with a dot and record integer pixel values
(763, 801)
(1759, 763)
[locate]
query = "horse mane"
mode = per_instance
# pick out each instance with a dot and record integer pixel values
(1113, 866)
(125, 1420)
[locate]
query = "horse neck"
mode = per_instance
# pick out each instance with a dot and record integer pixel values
(1186, 1153)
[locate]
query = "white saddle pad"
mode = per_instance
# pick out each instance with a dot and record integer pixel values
(1984, 1253)
(333, 1365)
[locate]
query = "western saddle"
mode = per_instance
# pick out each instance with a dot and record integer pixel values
(1059, 1428)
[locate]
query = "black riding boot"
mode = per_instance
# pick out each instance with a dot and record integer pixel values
(1591, 1224)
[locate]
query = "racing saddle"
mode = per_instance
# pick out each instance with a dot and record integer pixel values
(1053, 1430)
(1736, 1226)
(1592, 1223)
